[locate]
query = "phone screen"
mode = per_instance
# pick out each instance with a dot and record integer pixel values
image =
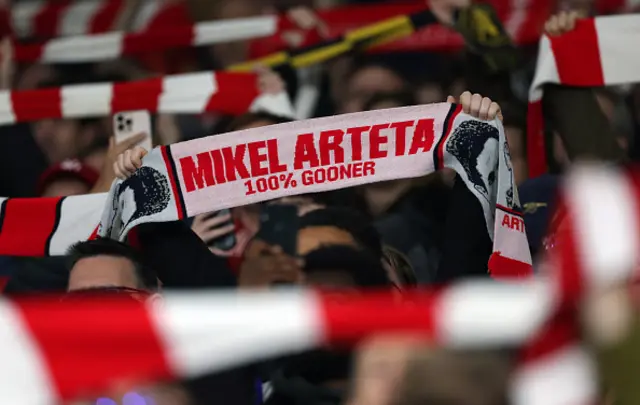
(279, 225)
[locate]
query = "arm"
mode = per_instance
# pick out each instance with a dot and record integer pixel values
(180, 258)
(579, 121)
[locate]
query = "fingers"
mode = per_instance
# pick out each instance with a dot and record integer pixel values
(212, 234)
(131, 142)
(562, 22)
(451, 99)
(494, 111)
(476, 104)
(479, 107)
(128, 162)
(465, 101)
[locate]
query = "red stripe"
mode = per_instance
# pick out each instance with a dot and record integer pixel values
(569, 266)
(174, 184)
(33, 105)
(28, 52)
(506, 268)
(235, 93)
(138, 95)
(443, 141)
(27, 225)
(46, 22)
(158, 40)
(91, 347)
(577, 55)
(349, 318)
(105, 18)
(559, 333)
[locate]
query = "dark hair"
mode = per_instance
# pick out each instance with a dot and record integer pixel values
(147, 279)
(365, 268)
(351, 221)
(253, 117)
(401, 266)
(402, 98)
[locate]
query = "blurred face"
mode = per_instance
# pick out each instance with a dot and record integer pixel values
(57, 138)
(102, 271)
(367, 82)
(65, 187)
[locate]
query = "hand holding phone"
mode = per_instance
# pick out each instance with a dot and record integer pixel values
(217, 231)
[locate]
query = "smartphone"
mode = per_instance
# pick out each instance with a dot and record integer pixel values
(129, 123)
(279, 225)
(226, 242)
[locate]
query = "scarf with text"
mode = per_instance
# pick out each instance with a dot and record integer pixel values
(254, 165)
(598, 52)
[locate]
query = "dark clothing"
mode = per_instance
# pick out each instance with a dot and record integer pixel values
(442, 231)
(580, 122)
(537, 197)
(37, 274)
(180, 258)
(21, 162)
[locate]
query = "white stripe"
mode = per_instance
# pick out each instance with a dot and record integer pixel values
(22, 16)
(86, 100)
(24, 381)
(546, 69)
(188, 93)
(493, 313)
(146, 14)
(207, 332)
(565, 377)
(84, 48)
(519, 13)
(234, 30)
(603, 204)
(618, 37)
(77, 18)
(79, 216)
(7, 115)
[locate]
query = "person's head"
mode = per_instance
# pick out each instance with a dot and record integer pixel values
(337, 226)
(393, 99)
(364, 81)
(344, 267)
(108, 264)
(69, 177)
(255, 120)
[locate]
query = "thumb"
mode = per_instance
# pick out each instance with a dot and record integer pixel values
(451, 99)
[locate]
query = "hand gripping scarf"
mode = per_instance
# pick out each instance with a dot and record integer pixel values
(244, 167)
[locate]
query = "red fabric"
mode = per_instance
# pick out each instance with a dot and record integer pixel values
(33, 105)
(39, 215)
(45, 23)
(116, 342)
(577, 55)
(347, 318)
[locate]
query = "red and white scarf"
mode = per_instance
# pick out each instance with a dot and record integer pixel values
(222, 171)
(191, 93)
(600, 51)
(523, 21)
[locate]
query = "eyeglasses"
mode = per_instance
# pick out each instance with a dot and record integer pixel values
(133, 293)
